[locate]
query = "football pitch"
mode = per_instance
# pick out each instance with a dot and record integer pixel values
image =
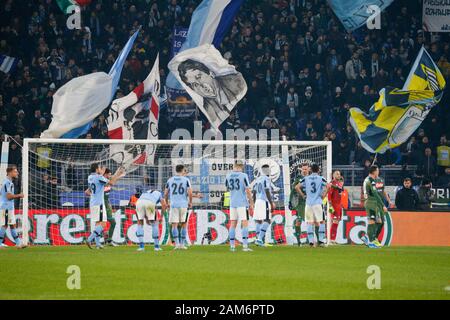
(213, 272)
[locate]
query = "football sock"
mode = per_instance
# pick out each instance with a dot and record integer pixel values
(175, 236)
(140, 235)
(371, 231)
(245, 237)
(333, 231)
(310, 233)
(258, 229)
(112, 226)
(183, 236)
(298, 231)
(155, 234)
(98, 234)
(262, 232)
(316, 231)
(2, 234)
(232, 236)
(379, 228)
(15, 236)
(321, 232)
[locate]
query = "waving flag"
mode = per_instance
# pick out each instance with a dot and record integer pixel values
(399, 112)
(77, 103)
(135, 117)
(353, 14)
(7, 64)
(214, 85)
(210, 22)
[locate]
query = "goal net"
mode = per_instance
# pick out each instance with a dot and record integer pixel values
(55, 175)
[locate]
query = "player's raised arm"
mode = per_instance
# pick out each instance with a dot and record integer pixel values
(120, 172)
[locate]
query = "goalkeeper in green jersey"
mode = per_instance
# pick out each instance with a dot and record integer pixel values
(111, 220)
(297, 202)
(374, 206)
(379, 184)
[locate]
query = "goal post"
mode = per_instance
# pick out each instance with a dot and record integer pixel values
(54, 175)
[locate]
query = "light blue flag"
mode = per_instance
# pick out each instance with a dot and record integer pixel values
(210, 22)
(114, 73)
(353, 14)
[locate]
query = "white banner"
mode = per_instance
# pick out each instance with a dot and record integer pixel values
(436, 15)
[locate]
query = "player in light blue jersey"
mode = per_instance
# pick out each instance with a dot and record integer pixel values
(316, 189)
(264, 204)
(7, 215)
(146, 209)
(178, 195)
(241, 201)
(96, 189)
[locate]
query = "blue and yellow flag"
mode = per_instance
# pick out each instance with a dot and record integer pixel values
(399, 112)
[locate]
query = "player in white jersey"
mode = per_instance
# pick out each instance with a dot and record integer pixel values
(316, 189)
(264, 204)
(241, 199)
(7, 215)
(96, 189)
(146, 209)
(178, 196)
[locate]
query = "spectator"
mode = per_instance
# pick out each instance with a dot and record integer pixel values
(428, 165)
(426, 195)
(407, 198)
(444, 180)
(353, 67)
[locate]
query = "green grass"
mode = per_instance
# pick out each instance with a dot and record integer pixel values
(213, 272)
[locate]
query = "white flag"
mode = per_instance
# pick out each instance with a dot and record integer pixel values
(214, 84)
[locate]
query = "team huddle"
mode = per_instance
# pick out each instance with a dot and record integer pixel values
(246, 199)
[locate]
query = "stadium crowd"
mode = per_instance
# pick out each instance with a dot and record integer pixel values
(303, 70)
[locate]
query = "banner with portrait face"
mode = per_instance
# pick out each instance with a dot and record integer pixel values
(214, 85)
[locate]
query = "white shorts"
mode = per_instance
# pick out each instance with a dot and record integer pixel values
(99, 214)
(240, 213)
(178, 215)
(314, 213)
(7, 216)
(262, 210)
(145, 208)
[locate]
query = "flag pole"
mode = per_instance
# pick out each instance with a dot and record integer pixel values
(375, 159)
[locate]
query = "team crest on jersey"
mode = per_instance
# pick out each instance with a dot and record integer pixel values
(379, 185)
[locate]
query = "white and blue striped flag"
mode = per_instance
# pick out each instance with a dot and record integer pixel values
(7, 64)
(77, 103)
(210, 22)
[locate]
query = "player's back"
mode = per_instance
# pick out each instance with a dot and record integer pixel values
(313, 185)
(97, 184)
(178, 191)
(237, 183)
(154, 196)
(262, 183)
(7, 187)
